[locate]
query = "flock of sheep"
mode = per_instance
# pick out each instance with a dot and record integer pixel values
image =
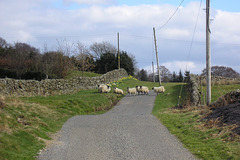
(103, 88)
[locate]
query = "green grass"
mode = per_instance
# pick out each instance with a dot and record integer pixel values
(76, 73)
(219, 90)
(27, 123)
(205, 143)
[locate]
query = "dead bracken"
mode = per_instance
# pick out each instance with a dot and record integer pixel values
(227, 110)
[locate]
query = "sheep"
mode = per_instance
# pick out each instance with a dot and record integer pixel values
(138, 89)
(103, 88)
(132, 91)
(159, 89)
(144, 89)
(106, 89)
(118, 91)
(100, 87)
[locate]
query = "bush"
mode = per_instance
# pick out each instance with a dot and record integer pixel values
(7, 73)
(34, 75)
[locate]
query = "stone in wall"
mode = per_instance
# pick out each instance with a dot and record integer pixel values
(193, 92)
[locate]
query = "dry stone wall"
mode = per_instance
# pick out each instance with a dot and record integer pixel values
(193, 92)
(195, 83)
(56, 86)
(217, 80)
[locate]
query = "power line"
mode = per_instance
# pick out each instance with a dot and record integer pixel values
(171, 16)
(136, 36)
(190, 49)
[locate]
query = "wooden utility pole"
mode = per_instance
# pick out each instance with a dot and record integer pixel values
(118, 51)
(208, 53)
(153, 72)
(155, 41)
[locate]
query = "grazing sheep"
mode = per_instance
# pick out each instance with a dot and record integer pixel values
(103, 88)
(118, 91)
(159, 89)
(144, 89)
(132, 91)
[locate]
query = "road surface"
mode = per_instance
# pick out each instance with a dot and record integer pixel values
(127, 132)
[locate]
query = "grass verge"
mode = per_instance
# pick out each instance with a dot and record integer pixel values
(204, 142)
(27, 123)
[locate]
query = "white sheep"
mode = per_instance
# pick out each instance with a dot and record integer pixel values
(138, 89)
(118, 91)
(100, 87)
(103, 88)
(131, 91)
(159, 89)
(144, 89)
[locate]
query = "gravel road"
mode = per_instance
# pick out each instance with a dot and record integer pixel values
(126, 132)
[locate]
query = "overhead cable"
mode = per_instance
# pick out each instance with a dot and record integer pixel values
(171, 16)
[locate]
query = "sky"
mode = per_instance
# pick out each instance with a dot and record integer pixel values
(180, 40)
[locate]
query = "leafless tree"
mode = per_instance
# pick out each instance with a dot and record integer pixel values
(67, 49)
(166, 75)
(222, 71)
(84, 59)
(100, 48)
(3, 43)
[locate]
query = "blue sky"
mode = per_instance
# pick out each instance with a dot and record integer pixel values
(41, 23)
(227, 5)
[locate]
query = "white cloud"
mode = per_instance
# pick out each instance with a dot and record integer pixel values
(39, 22)
(89, 2)
(225, 27)
(184, 66)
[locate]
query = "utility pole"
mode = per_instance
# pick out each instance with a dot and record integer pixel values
(208, 53)
(155, 41)
(118, 51)
(153, 72)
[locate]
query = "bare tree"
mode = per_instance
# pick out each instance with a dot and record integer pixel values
(222, 71)
(100, 48)
(67, 49)
(3, 43)
(84, 59)
(166, 75)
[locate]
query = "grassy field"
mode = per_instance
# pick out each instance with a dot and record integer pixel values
(205, 142)
(27, 124)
